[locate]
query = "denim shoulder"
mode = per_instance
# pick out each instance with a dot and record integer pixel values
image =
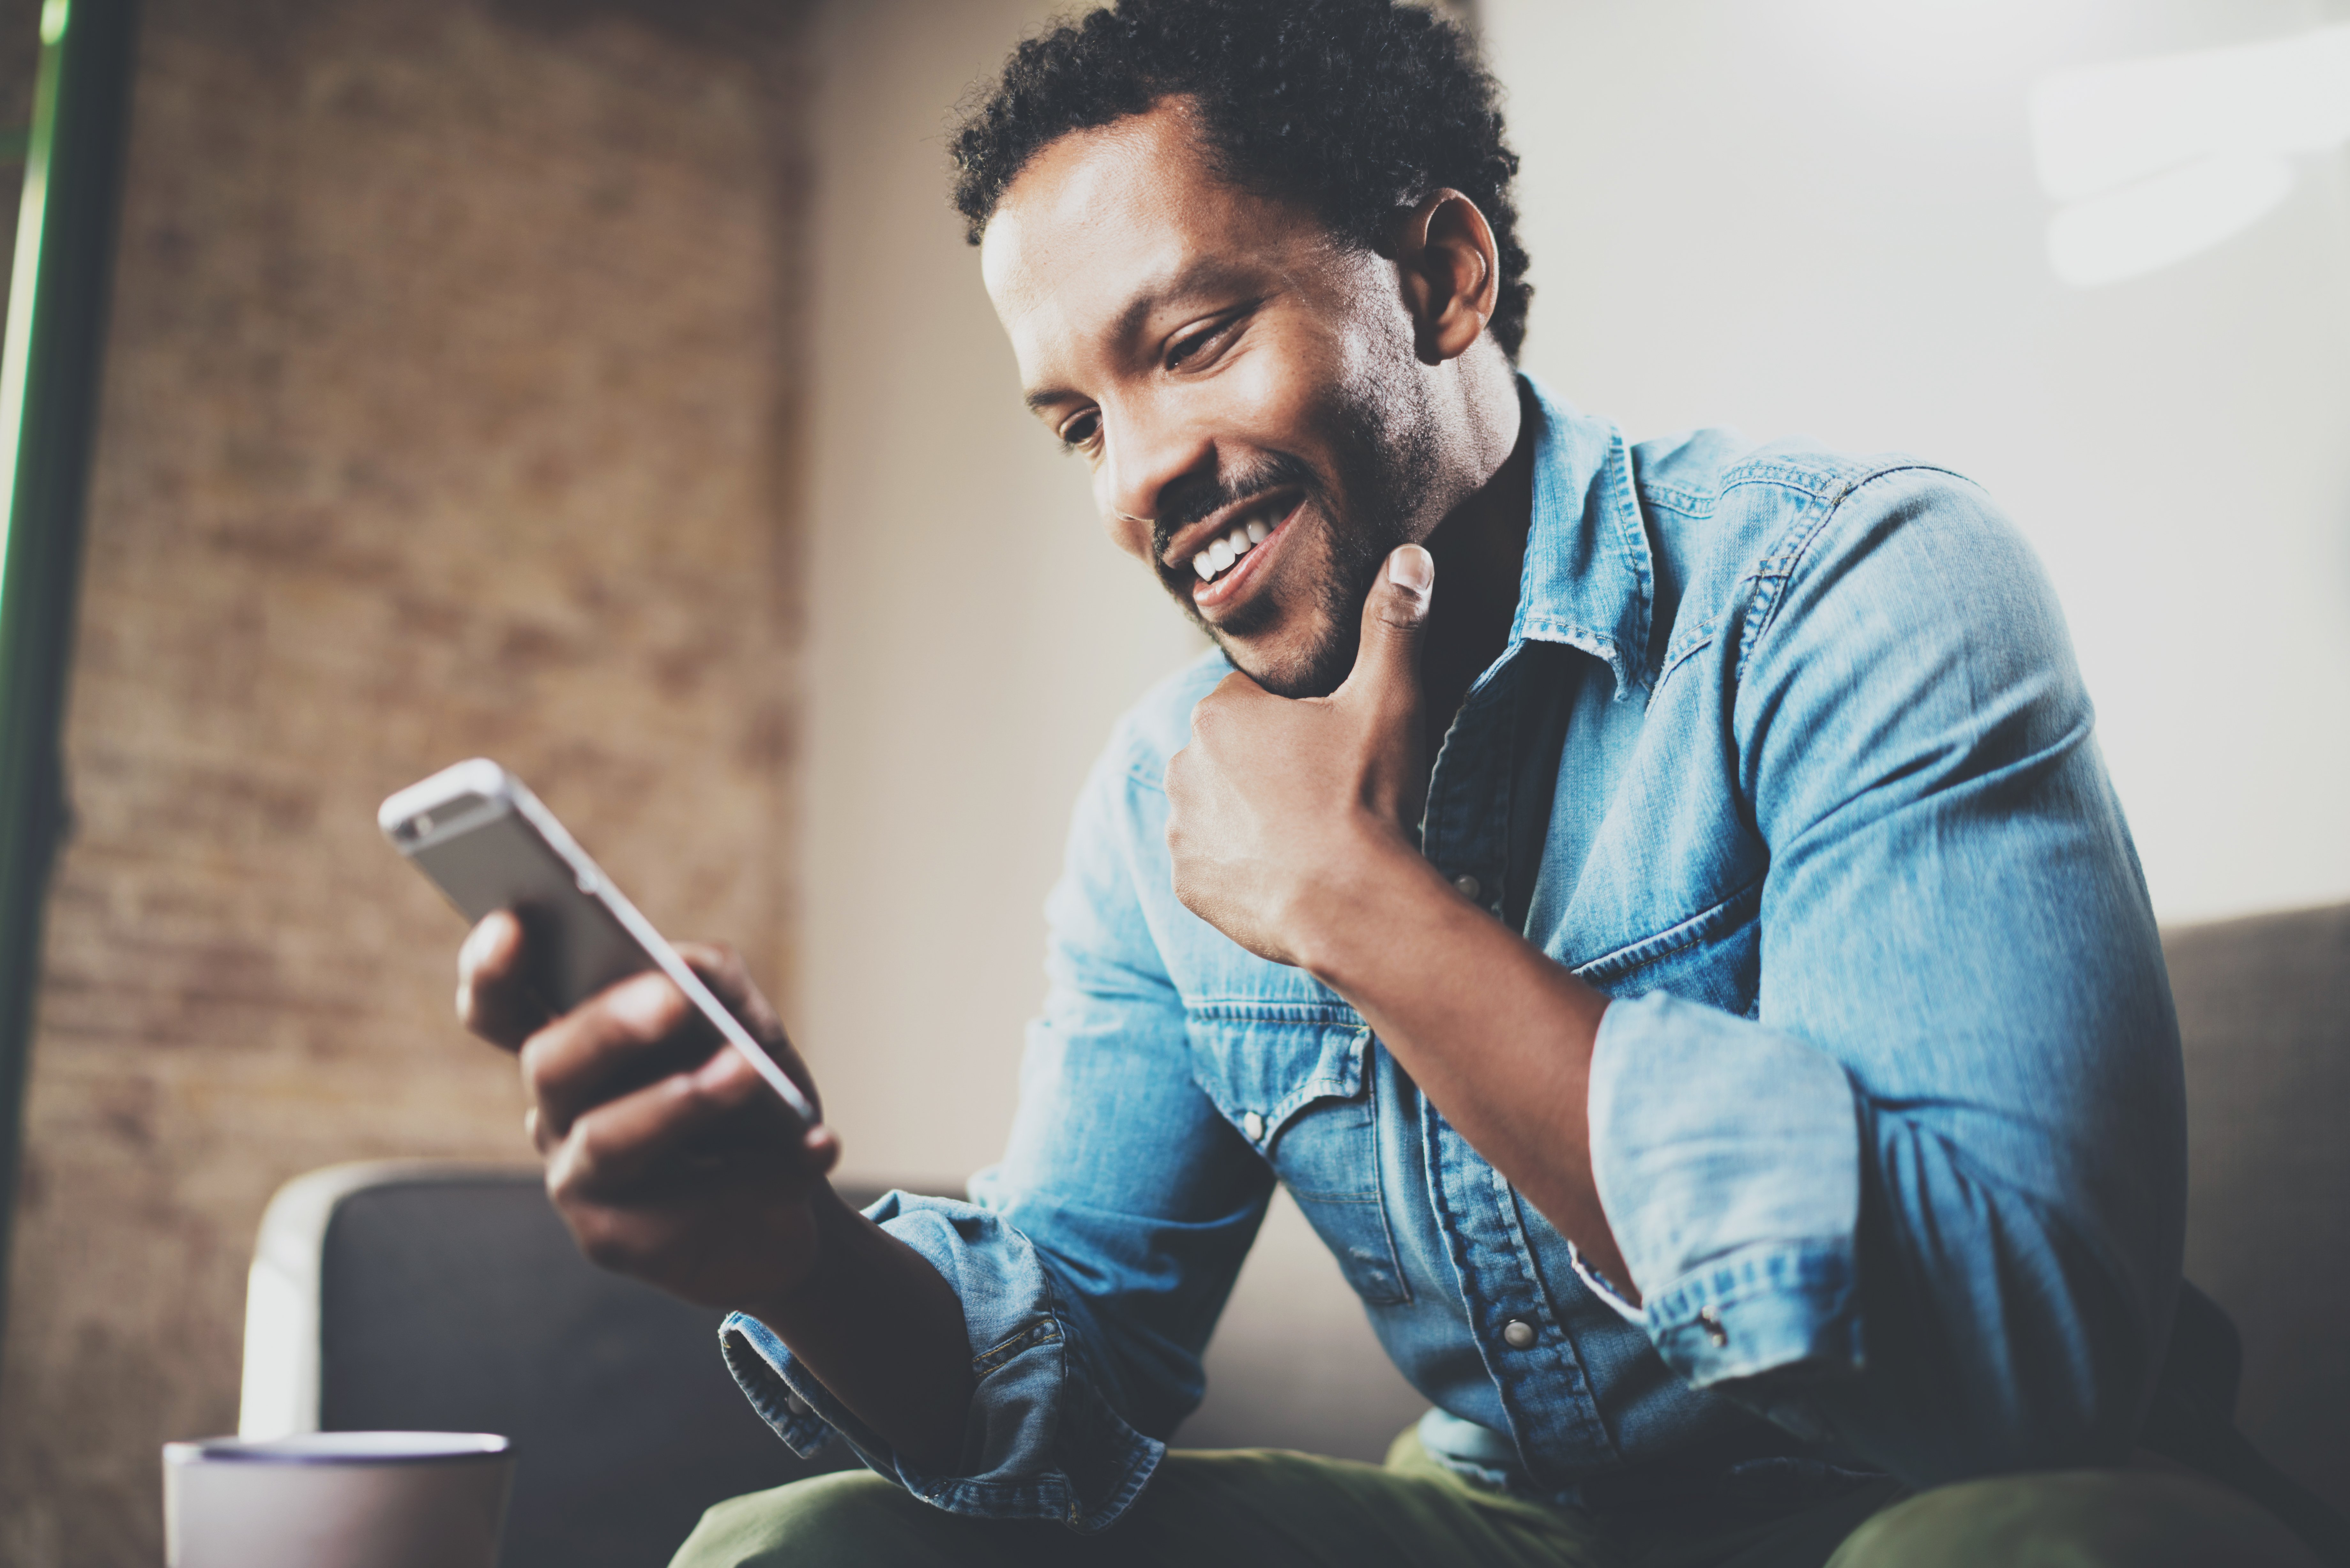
(1737, 526)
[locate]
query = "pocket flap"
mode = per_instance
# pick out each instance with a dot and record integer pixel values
(1261, 1072)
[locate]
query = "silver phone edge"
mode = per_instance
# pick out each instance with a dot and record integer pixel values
(592, 882)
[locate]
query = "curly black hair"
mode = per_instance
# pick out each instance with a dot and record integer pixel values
(1357, 108)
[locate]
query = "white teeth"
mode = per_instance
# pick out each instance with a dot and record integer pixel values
(1224, 552)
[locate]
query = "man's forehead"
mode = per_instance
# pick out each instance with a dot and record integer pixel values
(1105, 223)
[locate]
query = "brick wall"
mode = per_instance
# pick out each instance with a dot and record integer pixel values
(448, 409)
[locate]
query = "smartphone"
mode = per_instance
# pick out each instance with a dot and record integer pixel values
(486, 841)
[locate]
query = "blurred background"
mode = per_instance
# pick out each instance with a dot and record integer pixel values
(605, 386)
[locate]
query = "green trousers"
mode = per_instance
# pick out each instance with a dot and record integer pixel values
(1258, 1508)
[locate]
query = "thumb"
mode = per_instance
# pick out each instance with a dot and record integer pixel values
(1387, 664)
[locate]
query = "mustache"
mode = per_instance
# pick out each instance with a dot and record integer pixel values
(1194, 500)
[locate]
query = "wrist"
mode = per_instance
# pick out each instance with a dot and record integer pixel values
(825, 1250)
(1376, 889)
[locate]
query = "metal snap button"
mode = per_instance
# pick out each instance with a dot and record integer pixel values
(1711, 1321)
(1253, 1124)
(1517, 1333)
(1468, 885)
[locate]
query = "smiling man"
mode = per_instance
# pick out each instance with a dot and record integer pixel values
(1658, 908)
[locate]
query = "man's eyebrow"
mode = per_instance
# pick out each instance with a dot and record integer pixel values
(1207, 274)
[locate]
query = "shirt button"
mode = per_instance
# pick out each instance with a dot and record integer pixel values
(1517, 1333)
(1253, 1125)
(1468, 885)
(1711, 1321)
(797, 1406)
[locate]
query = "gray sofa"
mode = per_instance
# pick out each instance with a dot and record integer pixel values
(435, 1295)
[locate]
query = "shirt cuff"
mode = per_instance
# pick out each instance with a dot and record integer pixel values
(1726, 1157)
(1041, 1442)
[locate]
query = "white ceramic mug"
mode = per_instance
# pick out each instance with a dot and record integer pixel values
(336, 1500)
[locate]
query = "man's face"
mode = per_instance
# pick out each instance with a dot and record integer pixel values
(1229, 368)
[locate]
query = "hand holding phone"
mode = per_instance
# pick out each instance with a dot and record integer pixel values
(488, 844)
(699, 1170)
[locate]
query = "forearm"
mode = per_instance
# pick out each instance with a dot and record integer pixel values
(1494, 1032)
(884, 1332)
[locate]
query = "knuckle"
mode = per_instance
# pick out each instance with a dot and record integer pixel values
(584, 1156)
(536, 1068)
(603, 1241)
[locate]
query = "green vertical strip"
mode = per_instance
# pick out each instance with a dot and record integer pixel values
(50, 363)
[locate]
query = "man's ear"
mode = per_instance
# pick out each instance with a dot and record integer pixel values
(1451, 272)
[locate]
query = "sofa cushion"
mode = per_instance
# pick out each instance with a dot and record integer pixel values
(2264, 1016)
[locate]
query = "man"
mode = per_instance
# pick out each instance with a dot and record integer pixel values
(1659, 908)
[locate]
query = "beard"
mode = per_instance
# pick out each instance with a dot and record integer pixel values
(1385, 464)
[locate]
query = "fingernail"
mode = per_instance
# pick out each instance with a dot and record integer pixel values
(643, 1003)
(1412, 568)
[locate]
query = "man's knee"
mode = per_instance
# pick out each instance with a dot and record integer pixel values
(2077, 1518)
(852, 1516)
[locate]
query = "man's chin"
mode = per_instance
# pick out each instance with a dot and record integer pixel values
(1313, 666)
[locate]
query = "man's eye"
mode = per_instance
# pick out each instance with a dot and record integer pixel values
(1080, 431)
(1211, 336)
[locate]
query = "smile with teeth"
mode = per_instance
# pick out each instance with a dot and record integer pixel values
(1212, 562)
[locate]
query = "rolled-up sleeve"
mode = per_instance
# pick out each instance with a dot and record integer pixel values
(1093, 1261)
(1927, 1201)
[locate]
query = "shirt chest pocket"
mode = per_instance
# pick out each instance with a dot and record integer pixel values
(1302, 1095)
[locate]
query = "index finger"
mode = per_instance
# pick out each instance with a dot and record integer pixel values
(493, 999)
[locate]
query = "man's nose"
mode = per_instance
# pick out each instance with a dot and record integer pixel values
(1146, 458)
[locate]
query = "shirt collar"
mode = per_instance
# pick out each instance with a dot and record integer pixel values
(1588, 580)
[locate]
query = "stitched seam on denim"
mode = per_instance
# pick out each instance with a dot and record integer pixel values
(1322, 1085)
(1787, 553)
(1772, 574)
(1704, 636)
(1045, 1332)
(1541, 626)
(797, 1429)
(1758, 1270)
(1556, 1345)
(1339, 1080)
(1759, 605)
(1797, 546)
(1695, 504)
(1817, 480)
(1671, 940)
(1253, 1010)
(1632, 542)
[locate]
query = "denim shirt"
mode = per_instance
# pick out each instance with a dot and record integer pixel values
(1886, 1114)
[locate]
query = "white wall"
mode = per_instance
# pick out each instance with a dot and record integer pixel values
(1822, 216)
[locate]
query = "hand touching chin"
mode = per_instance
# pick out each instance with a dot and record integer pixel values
(1281, 813)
